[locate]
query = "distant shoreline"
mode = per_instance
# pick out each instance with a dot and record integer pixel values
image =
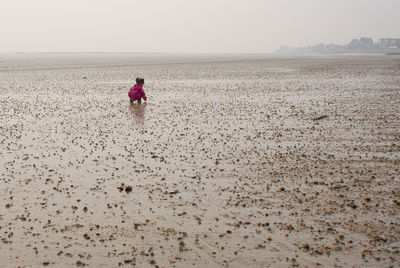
(141, 53)
(390, 46)
(352, 52)
(276, 53)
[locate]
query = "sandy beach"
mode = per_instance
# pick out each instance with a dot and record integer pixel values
(232, 162)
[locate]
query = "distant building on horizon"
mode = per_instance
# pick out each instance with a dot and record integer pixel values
(390, 42)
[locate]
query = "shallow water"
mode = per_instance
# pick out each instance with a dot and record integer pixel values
(228, 162)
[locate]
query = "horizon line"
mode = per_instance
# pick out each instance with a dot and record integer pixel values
(127, 52)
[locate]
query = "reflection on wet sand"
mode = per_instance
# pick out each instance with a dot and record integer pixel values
(137, 110)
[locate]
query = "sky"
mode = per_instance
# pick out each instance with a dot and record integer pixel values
(190, 26)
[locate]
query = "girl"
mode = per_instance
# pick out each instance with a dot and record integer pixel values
(136, 92)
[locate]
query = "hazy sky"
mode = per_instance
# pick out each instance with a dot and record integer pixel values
(190, 25)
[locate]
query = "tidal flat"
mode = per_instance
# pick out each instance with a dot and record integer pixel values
(234, 161)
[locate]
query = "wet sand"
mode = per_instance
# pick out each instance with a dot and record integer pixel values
(278, 162)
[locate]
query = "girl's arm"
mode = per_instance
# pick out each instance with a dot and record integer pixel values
(144, 96)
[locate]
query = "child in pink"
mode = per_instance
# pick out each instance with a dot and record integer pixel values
(136, 93)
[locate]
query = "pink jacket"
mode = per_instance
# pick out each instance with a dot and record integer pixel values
(136, 93)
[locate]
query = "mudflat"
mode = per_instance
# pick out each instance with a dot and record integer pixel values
(233, 162)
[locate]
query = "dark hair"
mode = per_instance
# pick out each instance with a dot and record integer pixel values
(140, 80)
